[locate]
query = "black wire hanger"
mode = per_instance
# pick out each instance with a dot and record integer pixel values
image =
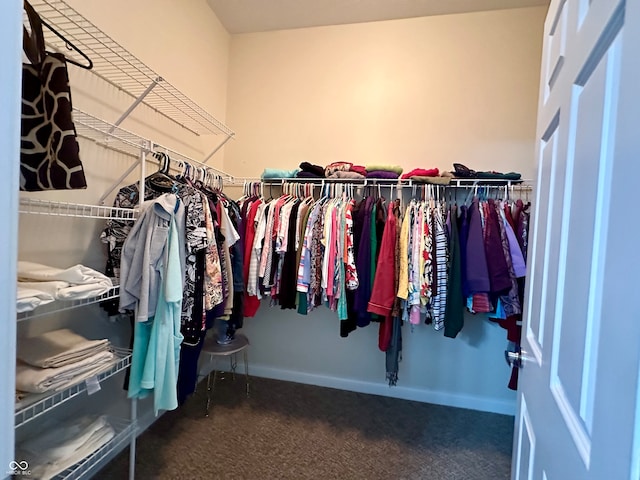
(71, 46)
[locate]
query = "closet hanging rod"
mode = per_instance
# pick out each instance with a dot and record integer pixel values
(454, 182)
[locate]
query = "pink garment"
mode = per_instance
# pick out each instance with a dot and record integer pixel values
(421, 172)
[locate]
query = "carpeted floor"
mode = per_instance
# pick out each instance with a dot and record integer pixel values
(293, 431)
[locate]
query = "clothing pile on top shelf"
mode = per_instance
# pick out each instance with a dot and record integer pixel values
(58, 359)
(349, 171)
(41, 284)
(375, 261)
(180, 271)
(62, 444)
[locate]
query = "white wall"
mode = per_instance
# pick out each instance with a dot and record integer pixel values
(416, 92)
(422, 92)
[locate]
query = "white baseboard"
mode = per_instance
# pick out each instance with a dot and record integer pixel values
(406, 393)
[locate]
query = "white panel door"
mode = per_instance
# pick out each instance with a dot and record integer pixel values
(578, 410)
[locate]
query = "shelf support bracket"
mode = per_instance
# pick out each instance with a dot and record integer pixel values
(206, 159)
(136, 102)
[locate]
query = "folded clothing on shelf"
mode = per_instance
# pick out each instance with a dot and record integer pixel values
(39, 380)
(422, 172)
(316, 170)
(30, 298)
(279, 173)
(346, 174)
(337, 167)
(63, 443)
(57, 348)
(359, 169)
(461, 171)
(382, 174)
(444, 180)
(305, 174)
(384, 168)
(71, 283)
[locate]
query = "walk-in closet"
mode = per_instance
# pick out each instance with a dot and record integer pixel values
(319, 239)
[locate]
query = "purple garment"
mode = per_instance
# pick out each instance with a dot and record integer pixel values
(382, 174)
(363, 265)
(499, 278)
(477, 271)
(519, 267)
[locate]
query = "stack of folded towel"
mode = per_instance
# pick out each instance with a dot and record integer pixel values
(58, 359)
(62, 444)
(40, 284)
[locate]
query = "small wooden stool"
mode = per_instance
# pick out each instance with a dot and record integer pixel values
(213, 350)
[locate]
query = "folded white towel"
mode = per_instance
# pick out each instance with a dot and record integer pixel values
(57, 348)
(72, 283)
(30, 298)
(77, 275)
(63, 444)
(40, 380)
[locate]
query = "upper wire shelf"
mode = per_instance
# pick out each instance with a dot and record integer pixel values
(117, 66)
(122, 140)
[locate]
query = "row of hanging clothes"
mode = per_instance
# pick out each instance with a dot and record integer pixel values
(179, 266)
(422, 256)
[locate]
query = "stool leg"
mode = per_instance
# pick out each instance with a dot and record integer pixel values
(208, 394)
(233, 363)
(246, 370)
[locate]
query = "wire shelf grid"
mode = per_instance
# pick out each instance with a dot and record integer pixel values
(33, 406)
(61, 306)
(120, 68)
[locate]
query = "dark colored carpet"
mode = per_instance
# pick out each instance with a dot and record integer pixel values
(293, 431)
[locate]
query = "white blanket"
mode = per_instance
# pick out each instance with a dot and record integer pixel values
(30, 298)
(63, 444)
(72, 283)
(57, 348)
(40, 380)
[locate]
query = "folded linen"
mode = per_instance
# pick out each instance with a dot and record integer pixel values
(315, 169)
(76, 275)
(57, 348)
(385, 168)
(433, 180)
(382, 174)
(337, 167)
(39, 380)
(279, 173)
(348, 174)
(30, 298)
(64, 443)
(305, 174)
(359, 169)
(423, 172)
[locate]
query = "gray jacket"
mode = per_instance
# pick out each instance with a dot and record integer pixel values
(143, 254)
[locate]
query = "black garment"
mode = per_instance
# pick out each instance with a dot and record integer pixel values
(288, 282)
(188, 369)
(315, 169)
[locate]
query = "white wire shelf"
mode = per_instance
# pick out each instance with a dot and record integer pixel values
(120, 68)
(61, 306)
(33, 406)
(63, 209)
(121, 140)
